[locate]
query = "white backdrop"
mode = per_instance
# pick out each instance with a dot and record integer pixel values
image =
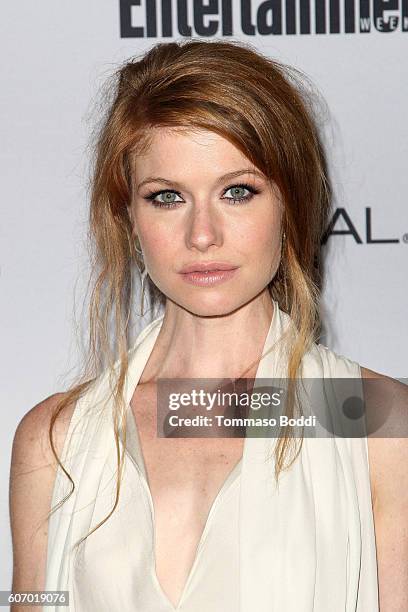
(54, 58)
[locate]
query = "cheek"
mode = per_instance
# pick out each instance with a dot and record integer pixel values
(261, 238)
(159, 247)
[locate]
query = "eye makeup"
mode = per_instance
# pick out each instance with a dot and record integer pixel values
(243, 199)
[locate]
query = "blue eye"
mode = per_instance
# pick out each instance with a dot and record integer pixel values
(237, 190)
(167, 202)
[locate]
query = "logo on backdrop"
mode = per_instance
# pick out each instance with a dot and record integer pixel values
(341, 224)
(174, 18)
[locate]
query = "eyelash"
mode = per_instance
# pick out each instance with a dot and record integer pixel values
(158, 204)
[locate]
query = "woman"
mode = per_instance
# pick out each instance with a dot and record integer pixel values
(210, 180)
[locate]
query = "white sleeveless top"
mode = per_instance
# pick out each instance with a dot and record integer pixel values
(308, 545)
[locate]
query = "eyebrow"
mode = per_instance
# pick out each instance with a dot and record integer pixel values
(229, 175)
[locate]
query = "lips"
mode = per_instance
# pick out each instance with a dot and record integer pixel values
(204, 267)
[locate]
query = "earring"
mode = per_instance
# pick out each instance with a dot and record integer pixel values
(143, 276)
(139, 251)
(284, 274)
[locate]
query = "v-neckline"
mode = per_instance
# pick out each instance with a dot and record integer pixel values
(133, 445)
(134, 449)
(138, 358)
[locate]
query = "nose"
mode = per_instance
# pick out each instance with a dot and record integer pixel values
(203, 228)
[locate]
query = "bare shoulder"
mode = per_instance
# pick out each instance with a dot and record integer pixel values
(31, 436)
(388, 438)
(31, 450)
(32, 476)
(388, 458)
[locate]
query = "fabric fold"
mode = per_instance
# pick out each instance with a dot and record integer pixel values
(305, 546)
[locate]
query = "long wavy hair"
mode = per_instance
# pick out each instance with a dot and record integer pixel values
(267, 110)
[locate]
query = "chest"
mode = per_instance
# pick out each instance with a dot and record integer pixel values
(185, 476)
(185, 469)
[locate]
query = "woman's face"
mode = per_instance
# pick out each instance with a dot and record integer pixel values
(184, 214)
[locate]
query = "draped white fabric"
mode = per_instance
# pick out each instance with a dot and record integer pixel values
(306, 546)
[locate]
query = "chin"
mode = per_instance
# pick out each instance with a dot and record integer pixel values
(210, 305)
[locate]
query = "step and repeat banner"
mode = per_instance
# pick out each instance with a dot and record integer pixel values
(168, 18)
(56, 57)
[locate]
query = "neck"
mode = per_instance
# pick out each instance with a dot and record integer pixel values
(190, 346)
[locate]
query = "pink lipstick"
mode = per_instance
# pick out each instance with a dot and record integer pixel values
(208, 274)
